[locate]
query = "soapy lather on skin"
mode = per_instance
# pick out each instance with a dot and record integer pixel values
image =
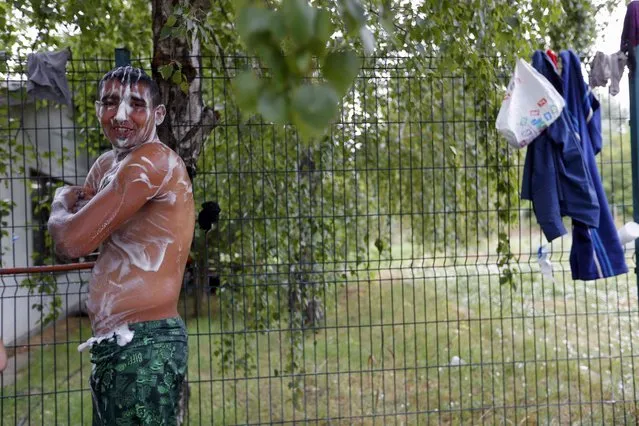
(137, 207)
(139, 244)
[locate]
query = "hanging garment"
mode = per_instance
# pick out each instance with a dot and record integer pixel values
(607, 67)
(555, 176)
(599, 70)
(596, 251)
(618, 63)
(557, 181)
(46, 72)
(630, 33)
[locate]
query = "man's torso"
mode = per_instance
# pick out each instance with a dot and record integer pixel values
(138, 274)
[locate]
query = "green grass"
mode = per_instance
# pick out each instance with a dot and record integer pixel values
(538, 354)
(53, 388)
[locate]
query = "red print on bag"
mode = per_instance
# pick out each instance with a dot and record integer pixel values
(534, 112)
(542, 102)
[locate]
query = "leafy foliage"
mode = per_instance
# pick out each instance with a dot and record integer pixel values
(288, 40)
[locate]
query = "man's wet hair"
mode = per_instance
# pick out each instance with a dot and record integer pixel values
(131, 75)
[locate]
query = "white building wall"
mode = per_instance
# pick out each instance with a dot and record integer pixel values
(49, 135)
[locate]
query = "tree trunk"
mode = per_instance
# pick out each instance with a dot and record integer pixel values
(189, 121)
(303, 295)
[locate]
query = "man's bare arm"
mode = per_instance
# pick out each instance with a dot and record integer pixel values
(138, 179)
(98, 170)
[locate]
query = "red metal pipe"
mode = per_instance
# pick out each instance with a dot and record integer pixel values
(54, 268)
(47, 268)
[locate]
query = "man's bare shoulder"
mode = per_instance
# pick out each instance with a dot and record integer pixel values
(103, 162)
(157, 153)
(100, 166)
(106, 158)
(154, 161)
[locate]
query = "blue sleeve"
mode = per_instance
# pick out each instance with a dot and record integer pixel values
(593, 120)
(577, 195)
(540, 185)
(557, 181)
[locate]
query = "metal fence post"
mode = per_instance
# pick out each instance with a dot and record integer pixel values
(122, 57)
(634, 144)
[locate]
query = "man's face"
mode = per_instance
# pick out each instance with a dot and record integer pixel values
(127, 115)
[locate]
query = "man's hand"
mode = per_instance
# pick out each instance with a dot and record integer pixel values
(84, 196)
(73, 198)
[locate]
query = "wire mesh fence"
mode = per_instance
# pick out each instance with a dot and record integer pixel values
(354, 279)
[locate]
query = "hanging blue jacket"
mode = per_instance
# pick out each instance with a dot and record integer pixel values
(596, 251)
(556, 178)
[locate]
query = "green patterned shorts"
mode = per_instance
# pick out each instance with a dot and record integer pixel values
(141, 382)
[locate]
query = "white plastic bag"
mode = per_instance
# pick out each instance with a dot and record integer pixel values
(530, 105)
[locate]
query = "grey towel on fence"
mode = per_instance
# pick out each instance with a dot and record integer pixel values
(47, 76)
(617, 67)
(599, 70)
(607, 67)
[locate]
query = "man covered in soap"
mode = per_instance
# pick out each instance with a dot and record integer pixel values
(137, 207)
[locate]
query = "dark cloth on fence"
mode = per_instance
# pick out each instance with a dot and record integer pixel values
(143, 381)
(557, 181)
(46, 72)
(630, 33)
(555, 177)
(596, 251)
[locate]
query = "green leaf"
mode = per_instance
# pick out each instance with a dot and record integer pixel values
(246, 87)
(278, 28)
(314, 106)
(299, 18)
(323, 31)
(165, 32)
(184, 86)
(272, 106)
(171, 21)
(340, 69)
(354, 15)
(355, 10)
(300, 62)
(253, 23)
(274, 59)
(386, 18)
(512, 21)
(177, 77)
(166, 71)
